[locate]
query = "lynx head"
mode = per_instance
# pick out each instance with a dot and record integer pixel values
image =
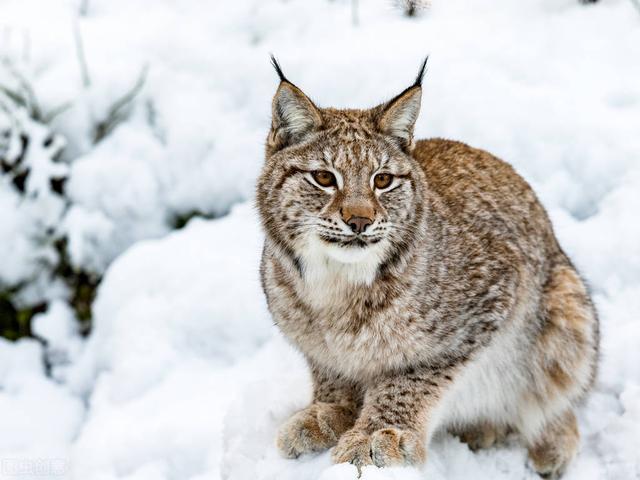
(341, 184)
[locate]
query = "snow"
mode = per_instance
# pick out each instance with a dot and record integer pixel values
(58, 330)
(39, 418)
(183, 375)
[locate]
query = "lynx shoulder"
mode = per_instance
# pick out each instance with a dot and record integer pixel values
(424, 285)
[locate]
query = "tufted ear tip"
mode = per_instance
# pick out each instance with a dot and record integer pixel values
(398, 116)
(277, 68)
(294, 115)
(423, 70)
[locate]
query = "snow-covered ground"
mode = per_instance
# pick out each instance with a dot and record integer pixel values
(183, 376)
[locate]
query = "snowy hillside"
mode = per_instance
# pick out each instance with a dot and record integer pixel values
(158, 115)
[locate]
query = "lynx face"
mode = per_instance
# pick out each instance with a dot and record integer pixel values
(349, 200)
(341, 183)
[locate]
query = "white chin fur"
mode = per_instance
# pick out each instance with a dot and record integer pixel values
(348, 254)
(329, 266)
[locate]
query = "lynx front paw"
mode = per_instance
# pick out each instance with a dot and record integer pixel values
(383, 448)
(314, 429)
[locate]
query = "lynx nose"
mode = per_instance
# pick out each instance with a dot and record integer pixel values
(359, 224)
(358, 217)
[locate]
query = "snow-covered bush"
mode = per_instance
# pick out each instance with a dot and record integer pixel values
(39, 216)
(411, 8)
(41, 223)
(32, 203)
(68, 212)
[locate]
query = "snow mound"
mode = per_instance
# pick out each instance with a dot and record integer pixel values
(39, 417)
(172, 318)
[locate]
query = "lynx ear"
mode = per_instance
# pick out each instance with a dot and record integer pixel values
(398, 116)
(294, 116)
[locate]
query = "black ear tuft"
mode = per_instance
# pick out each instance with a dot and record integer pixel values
(420, 76)
(293, 115)
(276, 66)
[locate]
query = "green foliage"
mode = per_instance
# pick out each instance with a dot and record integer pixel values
(180, 220)
(82, 286)
(15, 322)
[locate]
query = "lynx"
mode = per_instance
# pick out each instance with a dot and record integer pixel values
(423, 283)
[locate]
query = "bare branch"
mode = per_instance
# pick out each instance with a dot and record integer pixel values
(82, 60)
(84, 8)
(354, 12)
(117, 113)
(25, 94)
(60, 109)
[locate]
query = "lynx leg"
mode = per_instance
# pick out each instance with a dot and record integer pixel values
(392, 426)
(319, 426)
(555, 447)
(481, 435)
(566, 349)
(563, 369)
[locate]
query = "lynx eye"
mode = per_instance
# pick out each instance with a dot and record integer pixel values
(324, 178)
(382, 180)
